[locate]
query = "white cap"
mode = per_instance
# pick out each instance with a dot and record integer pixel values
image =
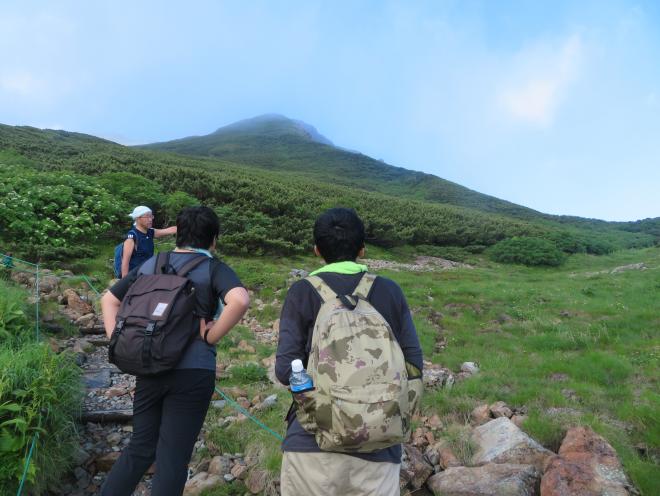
(296, 365)
(139, 212)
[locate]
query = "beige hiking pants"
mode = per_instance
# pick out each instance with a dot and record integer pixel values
(330, 474)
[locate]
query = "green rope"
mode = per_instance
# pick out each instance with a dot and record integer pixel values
(90, 284)
(11, 257)
(247, 414)
(27, 465)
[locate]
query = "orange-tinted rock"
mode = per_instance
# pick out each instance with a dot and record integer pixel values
(586, 466)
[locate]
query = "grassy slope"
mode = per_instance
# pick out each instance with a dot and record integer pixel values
(604, 349)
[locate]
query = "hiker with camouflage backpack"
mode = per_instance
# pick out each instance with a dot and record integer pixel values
(355, 335)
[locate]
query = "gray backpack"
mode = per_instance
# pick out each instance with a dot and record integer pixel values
(156, 320)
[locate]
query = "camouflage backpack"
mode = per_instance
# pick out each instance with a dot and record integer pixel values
(365, 393)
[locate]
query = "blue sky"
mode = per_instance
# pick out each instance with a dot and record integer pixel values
(554, 106)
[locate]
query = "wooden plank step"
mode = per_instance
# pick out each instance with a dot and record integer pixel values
(107, 416)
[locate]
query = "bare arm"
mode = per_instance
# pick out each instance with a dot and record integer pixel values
(129, 246)
(159, 233)
(109, 306)
(237, 301)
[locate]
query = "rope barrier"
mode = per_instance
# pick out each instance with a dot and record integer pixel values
(27, 465)
(247, 414)
(91, 285)
(7, 257)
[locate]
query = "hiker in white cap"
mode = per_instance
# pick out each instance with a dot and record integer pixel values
(139, 243)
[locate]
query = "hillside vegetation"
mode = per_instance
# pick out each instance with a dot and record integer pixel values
(264, 211)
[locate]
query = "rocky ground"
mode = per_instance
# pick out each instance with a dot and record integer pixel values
(489, 454)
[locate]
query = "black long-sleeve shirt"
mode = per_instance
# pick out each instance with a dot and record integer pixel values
(299, 312)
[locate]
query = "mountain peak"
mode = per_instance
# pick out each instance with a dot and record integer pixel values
(274, 125)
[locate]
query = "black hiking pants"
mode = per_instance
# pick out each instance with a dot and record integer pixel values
(168, 413)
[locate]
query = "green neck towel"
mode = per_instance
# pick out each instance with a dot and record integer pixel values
(341, 268)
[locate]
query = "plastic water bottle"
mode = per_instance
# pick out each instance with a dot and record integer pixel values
(299, 381)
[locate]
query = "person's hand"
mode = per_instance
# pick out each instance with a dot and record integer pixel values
(204, 325)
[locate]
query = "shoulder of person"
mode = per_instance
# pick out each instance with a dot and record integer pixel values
(384, 284)
(131, 234)
(301, 288)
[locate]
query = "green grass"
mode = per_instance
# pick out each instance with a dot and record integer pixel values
(604, 338)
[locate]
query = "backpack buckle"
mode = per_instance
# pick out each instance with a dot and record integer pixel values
(151, 326)
(119, 325)
(348, 302)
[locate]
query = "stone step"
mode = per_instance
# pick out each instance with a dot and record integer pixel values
(96, 330)
(107, 416)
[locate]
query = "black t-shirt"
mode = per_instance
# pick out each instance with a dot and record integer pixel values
(301, 306)
(212, 279)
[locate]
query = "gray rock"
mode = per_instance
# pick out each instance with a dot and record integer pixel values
(471, 368)
(97, 378)
(414, 467)
(488, 480)
(269, 402)
(200, 482)
(500, 441)
(219, 465)
(113, 438)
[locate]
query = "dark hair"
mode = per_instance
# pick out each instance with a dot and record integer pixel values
(197, 227)
(339, 234)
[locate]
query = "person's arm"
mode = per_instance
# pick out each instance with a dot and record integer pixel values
(294, 324)
(407, 336)
(237, 301)
(159, 233)
(129, 247)
(109, 306)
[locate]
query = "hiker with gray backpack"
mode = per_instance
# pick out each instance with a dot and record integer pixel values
(354, 334)
(164, 319)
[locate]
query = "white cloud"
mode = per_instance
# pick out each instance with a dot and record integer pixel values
(541, 78)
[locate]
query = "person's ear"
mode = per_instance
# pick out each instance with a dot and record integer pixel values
(361, 252)
(316, 251)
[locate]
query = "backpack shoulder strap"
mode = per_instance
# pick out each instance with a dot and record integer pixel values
(190, 265)
(324, 291)
(364, 286)
(135, 238)
(162, 259)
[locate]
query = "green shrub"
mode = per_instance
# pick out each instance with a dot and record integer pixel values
(174, 203)
(527, 251)
(40, 393)
(130, 190)
(53, 209)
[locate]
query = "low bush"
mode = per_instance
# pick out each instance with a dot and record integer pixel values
(40, 394)
(14, 323)
(53, 209)
(527, 251)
